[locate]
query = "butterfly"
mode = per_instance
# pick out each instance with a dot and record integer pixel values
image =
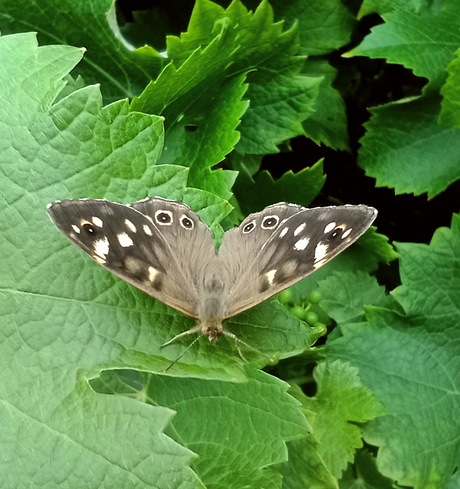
(163, 248)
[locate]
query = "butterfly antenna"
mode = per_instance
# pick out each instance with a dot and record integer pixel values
(183, 352)
(193, 330)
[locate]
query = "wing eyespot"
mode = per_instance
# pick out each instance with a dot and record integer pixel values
(89, 229)
(270, 222)
(337, 231)
(249, 227)
(163, 217)
(186, 222)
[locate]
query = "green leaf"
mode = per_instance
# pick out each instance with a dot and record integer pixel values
(383, 6)
(364, 474)
(184, 96)
(219, 45)
(231, 422)
(405, 148)
(430, 277)
(305, 467)
(281, 99)
(340, 403)
(450, 114)
(201, 154)
(328, 124)
(221, 421)
(109, 60)
(323, 27)
(345, 294)
(300, 188)
(410, 361)
(60, 323)
(422, 42)
(64, 319)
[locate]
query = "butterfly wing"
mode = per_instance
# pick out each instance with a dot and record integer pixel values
(153, 244)
(275, 248)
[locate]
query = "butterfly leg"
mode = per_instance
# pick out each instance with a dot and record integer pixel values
(238, 342)
(195, 329)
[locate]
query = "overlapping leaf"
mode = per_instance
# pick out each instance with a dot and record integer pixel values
(64, 319)
(52, 336)
(405, 147)
(90, 24)
(408, 355)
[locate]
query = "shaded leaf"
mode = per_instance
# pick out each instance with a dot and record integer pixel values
(405, 148)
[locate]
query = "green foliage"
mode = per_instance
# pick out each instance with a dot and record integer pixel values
(90, 397)
(407, 354)
(405, 146)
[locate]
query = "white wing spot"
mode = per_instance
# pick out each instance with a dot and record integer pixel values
(130, 225)
(101, 248)
(153, 272)
(321, 251)
(284, 232)
(99, 260)
(125, 240)
(271, 276)
(147, 230)
(97, 221)
(346, 233)
(320, 263)
(329, 227)
(301, 244)
(76, 228)
(299, 229)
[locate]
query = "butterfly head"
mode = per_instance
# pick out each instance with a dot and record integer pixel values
(211, 328)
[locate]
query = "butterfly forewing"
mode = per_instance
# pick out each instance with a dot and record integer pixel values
(149, 251)
(298, 243)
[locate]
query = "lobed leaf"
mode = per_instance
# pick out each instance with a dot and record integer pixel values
(408, 355)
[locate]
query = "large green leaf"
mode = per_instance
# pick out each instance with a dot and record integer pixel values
(233, 422)
(422, 42)
(52, 333)
(407, 354)
(323, 26)
(405, 147)
(219, 45)
(340, 403)
(91, 24)
(64, 319)
(450, 114)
